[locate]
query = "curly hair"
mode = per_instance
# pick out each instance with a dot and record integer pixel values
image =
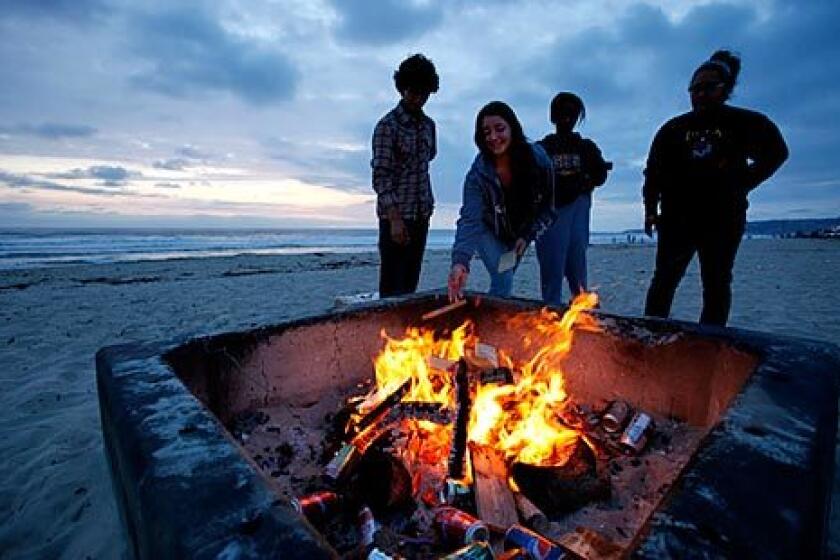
(418, 73)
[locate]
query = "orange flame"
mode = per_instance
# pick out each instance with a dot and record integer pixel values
(522, 419)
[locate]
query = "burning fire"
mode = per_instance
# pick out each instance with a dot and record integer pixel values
(521, 420)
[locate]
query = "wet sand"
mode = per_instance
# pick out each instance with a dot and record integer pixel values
(55, 492)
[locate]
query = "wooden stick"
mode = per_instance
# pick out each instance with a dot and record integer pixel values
(532, 516)
(445, 309)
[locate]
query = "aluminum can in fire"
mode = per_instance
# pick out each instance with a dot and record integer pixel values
(499, 376)
(455, 492)
(459, 527)
(615, 417)
(317, 506)
(635, 436)
(474, 551)
(536, 545)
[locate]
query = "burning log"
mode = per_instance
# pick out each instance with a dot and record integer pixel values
(558, 489)
(417, 410)
(382, 407)
(493, 497)
(462, 418)
(348, 456)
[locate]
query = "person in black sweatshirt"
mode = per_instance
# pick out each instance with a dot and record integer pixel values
(700, 168)
(578, 169)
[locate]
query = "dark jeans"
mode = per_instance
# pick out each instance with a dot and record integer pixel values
(399, 270)
(716, 247)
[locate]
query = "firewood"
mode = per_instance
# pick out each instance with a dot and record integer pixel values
(383, 406)
(444, 310)
(459, 438)
(532, 516)
(493, 497)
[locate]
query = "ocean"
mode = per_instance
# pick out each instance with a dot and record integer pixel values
(38, 248)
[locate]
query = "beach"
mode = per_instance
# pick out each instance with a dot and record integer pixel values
(55, 492)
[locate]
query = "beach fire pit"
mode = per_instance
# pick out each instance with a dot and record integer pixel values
(396, 430)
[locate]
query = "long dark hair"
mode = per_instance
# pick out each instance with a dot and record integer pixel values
(727, 65)
(523, 164)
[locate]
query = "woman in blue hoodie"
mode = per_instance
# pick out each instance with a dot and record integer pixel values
(508, 200)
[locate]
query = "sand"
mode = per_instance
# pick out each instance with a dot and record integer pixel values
(55, 490)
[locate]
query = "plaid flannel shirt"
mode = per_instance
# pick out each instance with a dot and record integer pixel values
(403, 146)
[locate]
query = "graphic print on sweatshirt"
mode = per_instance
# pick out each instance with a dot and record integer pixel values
(702, 143)
(567, 164)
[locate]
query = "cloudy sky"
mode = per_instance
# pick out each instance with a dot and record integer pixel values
(258, 113)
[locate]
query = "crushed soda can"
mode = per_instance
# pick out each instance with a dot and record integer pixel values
(455, 492)
(615, 417)
(459, 527)
(537, 546)
(634, 438)
(474, 551)
(318, 506)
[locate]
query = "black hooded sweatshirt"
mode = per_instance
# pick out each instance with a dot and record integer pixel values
(578, 165)
(702, 165)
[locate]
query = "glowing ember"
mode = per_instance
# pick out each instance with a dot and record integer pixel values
(522, 420)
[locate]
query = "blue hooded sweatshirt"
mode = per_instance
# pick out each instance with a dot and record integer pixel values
(483, 208)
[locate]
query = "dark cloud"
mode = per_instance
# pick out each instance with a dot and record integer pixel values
(341, 168)
(15, 181)
(172, 164)
(111, 176)
(50, 130)
(189, 53)
(187, 155)
(79, 11)
(633, 76)
(193, 153)
(385, 21)
(15, 207)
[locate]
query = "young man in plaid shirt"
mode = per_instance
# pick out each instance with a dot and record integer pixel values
(403, 145)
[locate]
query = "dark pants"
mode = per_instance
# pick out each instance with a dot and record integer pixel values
(399, 270)
(716, 247)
